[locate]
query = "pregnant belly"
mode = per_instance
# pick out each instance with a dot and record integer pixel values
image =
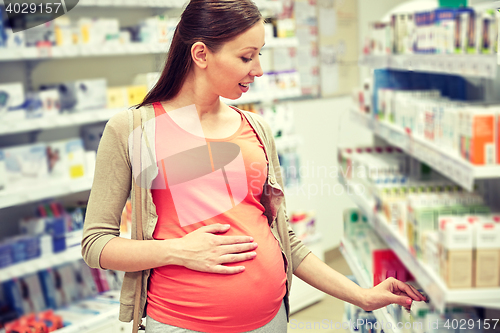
(179, 295)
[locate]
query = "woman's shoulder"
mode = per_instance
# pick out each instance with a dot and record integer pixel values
(258, 120)
(122, 119)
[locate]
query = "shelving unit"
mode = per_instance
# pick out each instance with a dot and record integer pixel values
(449, 164)
(432, 284)
(28, 193)
(382, 315)
(76, 51)
(475, 65)
(64, 120)
(43, 190)
(35, 265)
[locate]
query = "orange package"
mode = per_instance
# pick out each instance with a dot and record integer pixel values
(480, 136)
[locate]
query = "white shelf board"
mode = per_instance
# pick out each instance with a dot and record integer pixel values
(93, 322)
(349, 253)
(43, 190)
(63, 120)
(109, 49)
(476, 65)
(432, 284)
(60, 52)
(38, 264)
(445, 162)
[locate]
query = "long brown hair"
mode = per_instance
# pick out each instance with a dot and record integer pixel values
(212, 22)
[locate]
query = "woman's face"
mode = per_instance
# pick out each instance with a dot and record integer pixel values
(236, 64)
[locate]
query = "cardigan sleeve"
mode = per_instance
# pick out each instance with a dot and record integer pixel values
(110, 190)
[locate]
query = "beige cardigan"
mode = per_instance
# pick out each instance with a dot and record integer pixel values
(113, 183)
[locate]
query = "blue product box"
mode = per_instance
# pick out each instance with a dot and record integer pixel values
(3, 34)
(48, 288)
(55, 226)
(6, 255)
(14, 297)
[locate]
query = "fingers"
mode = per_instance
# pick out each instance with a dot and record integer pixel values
(221, 269)
(233, 257)
(214, 228)
(237, 248)
(419, 294)
(228, 240)
(404, 301)
(409, 290)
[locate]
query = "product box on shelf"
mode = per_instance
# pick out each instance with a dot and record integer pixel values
(76, 158)
(11, 101)
(83, 95)
(64, 31)
(117, 97)
(486, 256)
(51, 103)
(466, 37)
(91, 135)
(86, 285)
(26, 164)
(136, 94)
(478, 134)
(39, 34)
(3, 28)
(445, 30)
(456, 239)
(66, 159)
(303, 224)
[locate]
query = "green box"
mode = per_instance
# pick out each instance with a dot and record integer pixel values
(453, 3)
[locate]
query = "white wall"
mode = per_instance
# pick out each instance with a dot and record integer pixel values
(324, 124)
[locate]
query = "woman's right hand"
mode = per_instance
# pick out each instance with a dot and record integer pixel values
(205, 251)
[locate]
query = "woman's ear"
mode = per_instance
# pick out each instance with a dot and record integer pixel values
(199, 54)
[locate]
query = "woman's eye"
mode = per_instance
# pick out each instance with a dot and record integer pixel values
(245, 59)
(260, 54)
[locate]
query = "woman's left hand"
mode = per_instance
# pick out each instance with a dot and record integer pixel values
(391, 291)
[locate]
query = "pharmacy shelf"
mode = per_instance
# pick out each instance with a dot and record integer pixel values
(64, 120)
(445, 162)
(382, 315)
(94, 323)
(60, 52)
(43, 190)
(110, 49)
(432, 284)
(32, 266)
(28, 267)
(476, 65)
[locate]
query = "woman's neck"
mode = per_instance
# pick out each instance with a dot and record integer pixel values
(207, 104)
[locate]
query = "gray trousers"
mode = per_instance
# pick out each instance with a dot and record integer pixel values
(277, 325)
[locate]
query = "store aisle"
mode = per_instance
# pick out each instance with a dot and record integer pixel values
(324, 312)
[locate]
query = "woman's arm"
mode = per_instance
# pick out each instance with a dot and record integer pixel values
(201, 250)
(321, 276)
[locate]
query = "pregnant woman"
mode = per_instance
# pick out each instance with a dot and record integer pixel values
(214, 251)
